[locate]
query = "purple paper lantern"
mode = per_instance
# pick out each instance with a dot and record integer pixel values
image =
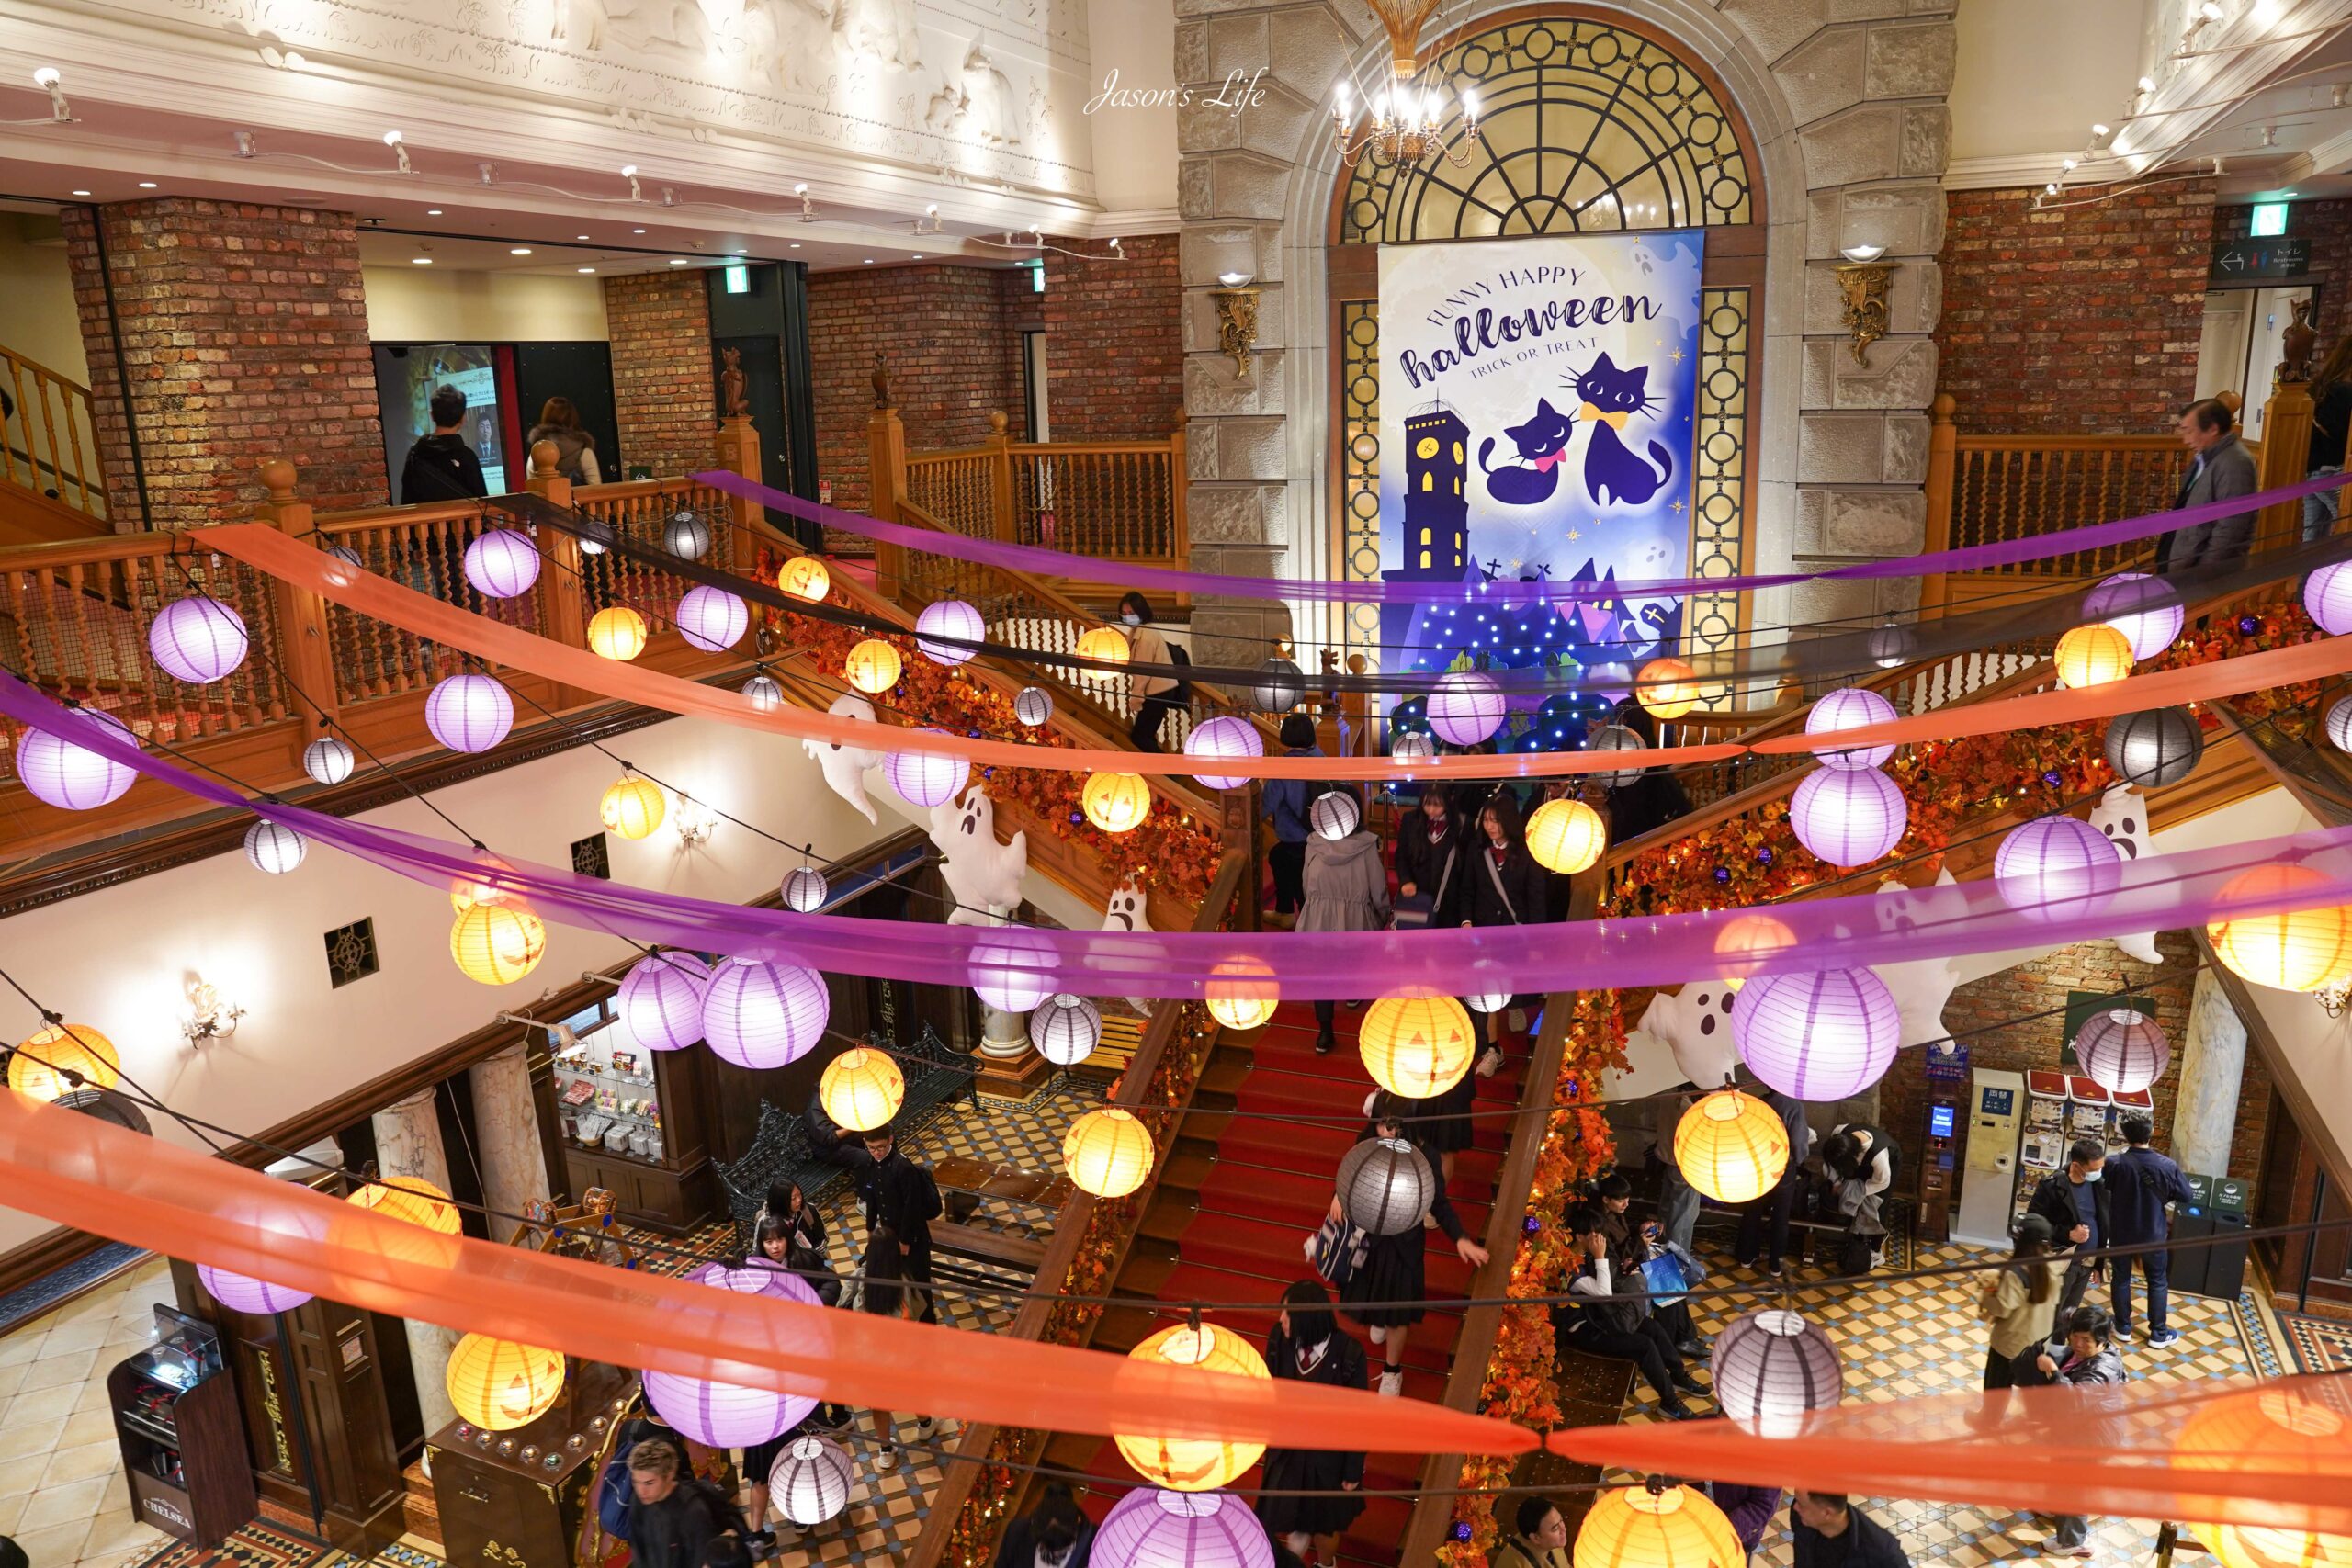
(1228, 735)
(1466, 708)
(468, 713)
(502, 563)
(1774, 1368)
(712, 619)
(71, 777)
(2149, 630)
(756, 1013)
(2056, 868)
(1149, 1528)
(724, 1415)
(1849, 816)
(243, 1292)
(1010, 970)
(926, 778)
(2123, 1050)
(948, 618)
(196, 639)
(1850, 707)
(2327, 594)
(661, 999)
(1820, 1036)
(758, 1277)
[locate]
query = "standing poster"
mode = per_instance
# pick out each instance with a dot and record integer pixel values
(1537, 402)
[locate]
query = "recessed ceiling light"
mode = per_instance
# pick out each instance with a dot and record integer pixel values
(433, 212)
(520, 250)
(918, 258)
(870, 260)
(677, 261)
(420, 260)
(580, 236)
(81, 193)
(587, 269)
(637, 231)
(796, 244)
(146, 185)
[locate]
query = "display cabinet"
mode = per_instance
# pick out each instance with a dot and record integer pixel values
(175, 1415)
(632, 1123)
(519, 1498)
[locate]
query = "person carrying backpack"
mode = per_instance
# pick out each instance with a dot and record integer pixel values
(673, 1515)
(902, 1197)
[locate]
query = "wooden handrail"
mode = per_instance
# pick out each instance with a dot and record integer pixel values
(56, 399)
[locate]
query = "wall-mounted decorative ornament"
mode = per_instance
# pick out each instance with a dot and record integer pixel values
(1862, 281)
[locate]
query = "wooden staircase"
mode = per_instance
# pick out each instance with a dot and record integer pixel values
(52, 484)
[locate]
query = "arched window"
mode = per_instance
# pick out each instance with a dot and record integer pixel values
(1589, 124)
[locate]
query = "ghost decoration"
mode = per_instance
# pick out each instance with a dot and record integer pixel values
(1695, 1025)
(1126, 912)
(845, 766)
(1921, 986)
(983, 876)
(2123, 814)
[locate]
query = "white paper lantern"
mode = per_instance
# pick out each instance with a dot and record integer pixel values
(502, 563)
(1386, 1186)
(71, 777)
(952, 619)
(926, 778)
(1614, 738)
(1774, 1369)
(1009, 970)
(1412, 747)
(1890, 646)
(329, 759)
(1279, 687)
(1466, 708)
(765, 694)
(712, 619)
(1850, 707)
(1066, 1028)
(198, 639)
(659, 1000)
(1848, 817)
(1227, 734)
(2339, 724)
(2123, 1050)
(1487, 1001)
(1818, 1036)
(811, 1480)
(2057, 867)
(468, 713)
(757, 1013)
(687, 535)
(805, 890)
(2327, 595)
(1335, 814)
(2140, 613)
(2156, 746)
(1033, 706)
(349, 558)
(275, 848)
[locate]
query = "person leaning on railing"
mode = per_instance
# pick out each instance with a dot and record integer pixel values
(2330, 421)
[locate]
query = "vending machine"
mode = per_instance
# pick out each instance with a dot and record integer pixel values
(1947, 1076)
(1996, 1107)
(2089, 1110)
(2044, 1149)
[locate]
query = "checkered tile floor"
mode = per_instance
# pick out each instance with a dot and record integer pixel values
(1906, 1337)
(2319, 1344)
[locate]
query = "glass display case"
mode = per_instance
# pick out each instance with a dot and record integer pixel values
(630, 1122)
(177, 1417)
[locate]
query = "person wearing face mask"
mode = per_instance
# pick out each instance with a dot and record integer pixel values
(2080, 1215)
(2085, 1356)
(1307, 1347)
(1506, 889)
(1157, 696)
(800, 1231)
(1054, 1534)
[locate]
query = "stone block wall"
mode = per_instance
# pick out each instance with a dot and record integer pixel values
(665, 392)
(244, 338)
(1115, 341)
(2085, 319)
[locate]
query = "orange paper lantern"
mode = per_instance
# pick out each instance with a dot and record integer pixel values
(1731, 1147)
(1117, 803)
(1241, 993)
(1416, 1046)
(497, 944)
(617, 634)
(2298, 949)
(1671, 1527)
(1104, 645)
(873, 667)
(633, 808)
(2093, 655)
(1668, 688)
(1194, 1464)
(500, 1384)
(39, 1065)
(1107, 1153)
(804, 577)
(1567, 836)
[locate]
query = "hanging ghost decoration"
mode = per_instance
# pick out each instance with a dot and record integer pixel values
(845, 766)
(2123, 814)
(983, 876)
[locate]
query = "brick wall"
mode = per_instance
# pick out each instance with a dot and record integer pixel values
(2074, 321)
(2015, 1020)
(1115, 343)
(244, 338)
(664, 391)
(2328, 226)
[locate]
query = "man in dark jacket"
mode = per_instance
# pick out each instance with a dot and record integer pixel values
(1538, 1532)
(675, 1516)
(2220, 470)
(901, 1195)
(1831, 1533)
(2074, 1200)
(1621, 1330)
(2139, 1183)
(441, 466)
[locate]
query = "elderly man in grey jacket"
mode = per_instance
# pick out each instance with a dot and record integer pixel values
(2220, 470)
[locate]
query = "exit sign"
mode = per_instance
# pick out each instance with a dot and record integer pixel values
(2270, 220)
(739, 279)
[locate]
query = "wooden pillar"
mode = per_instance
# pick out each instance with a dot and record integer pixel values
(1239, 831)
(739, 453)
(562, 592)
(1179, 480)
(1943, 463)
(2286, 459)
(885, 453)
(1001, 492)
(305, 646)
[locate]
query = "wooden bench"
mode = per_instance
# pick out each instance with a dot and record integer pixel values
(964, 1182)
(985, 1246)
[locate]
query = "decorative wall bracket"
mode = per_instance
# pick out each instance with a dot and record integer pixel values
(1862, 280)
(1237, 319)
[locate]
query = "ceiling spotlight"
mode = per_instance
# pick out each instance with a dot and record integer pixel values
(628, 173)
(81, 193)
(637, 231)
(587, 269)
(2050, 189)
(2209, 12)
(2101, 130)
(918, 258)
(433, 212)
(399, 149)
(49, 81)
(2068, 164)
(2147, 83)
(677, 261)
(519, 250)
(420, 260)
(870, 260)
(796, 244)
(800, 189)
(146, 185)
(580, 236)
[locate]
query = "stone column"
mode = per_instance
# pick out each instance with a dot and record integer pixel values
(507, 1136)
(2205, 1116)
(408, 1143)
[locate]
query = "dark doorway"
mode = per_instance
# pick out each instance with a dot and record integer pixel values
(583, 372)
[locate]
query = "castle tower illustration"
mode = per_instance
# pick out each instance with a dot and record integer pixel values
(1437, 503)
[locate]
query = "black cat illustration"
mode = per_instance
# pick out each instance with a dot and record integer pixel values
(1543, 441)
(1613, 471)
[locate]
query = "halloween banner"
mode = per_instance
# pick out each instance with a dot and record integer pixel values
(1537, 402)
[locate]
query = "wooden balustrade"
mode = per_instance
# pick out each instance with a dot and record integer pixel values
(1122, 499)
(48, 447)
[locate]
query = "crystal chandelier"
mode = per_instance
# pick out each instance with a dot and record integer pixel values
(1406, 121)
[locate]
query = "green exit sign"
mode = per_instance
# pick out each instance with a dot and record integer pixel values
(2270, 220)
(739, 279)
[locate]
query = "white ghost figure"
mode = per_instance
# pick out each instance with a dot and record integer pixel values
(1920, 987)
(1695, 1025)
(845, 766)
(983, 876)
(1126, 912)
(2123, 814)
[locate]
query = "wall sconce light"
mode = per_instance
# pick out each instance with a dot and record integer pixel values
(693, 821)
(2332, 996)
(50, 81)
(1862, 279)
(1237, 319)
(210, 1016)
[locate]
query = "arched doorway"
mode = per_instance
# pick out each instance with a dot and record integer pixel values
(1592, 124)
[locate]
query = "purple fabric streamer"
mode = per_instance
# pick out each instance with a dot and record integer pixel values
(1124, 574)
(2160, 892)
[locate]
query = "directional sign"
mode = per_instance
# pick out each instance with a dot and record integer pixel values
(2260, 261)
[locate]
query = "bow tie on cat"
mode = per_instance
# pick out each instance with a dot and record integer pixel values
(1614, 418)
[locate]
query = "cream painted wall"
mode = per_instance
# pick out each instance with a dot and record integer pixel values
(2033, 76)
(37, 315)
(1134, 149)
(119, 959)
(425, 304)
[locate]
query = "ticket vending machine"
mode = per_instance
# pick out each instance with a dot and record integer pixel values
(1996, 1107)
(1936, 1168)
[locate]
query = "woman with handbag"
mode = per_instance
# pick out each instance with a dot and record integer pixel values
(1306, 1345)
(1506, 889)
(1432, 858)
(1347, 890)
(1383, 1269)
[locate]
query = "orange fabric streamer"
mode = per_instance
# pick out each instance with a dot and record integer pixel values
(267, 550)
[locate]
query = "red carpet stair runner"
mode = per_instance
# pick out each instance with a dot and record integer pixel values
(1240, 1198)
